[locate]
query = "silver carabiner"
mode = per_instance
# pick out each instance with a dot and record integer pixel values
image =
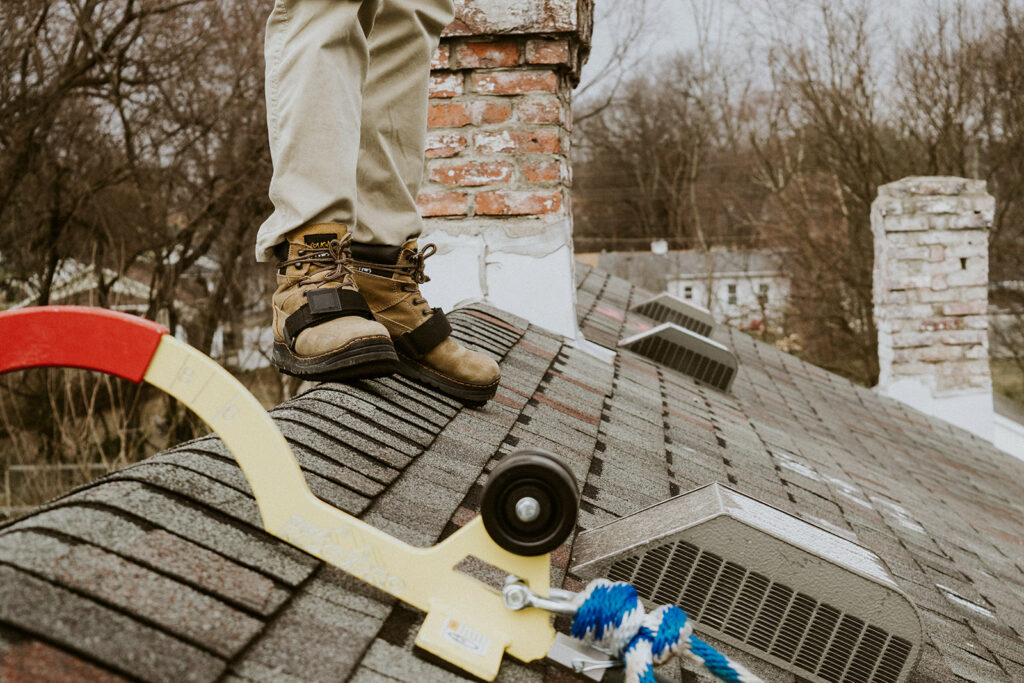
(583, 659)
(516, 595)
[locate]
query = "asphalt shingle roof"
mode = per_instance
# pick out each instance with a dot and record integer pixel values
(162, 571)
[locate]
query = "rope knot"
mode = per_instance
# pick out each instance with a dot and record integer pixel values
(609, 615)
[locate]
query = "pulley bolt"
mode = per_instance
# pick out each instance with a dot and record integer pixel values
(527, 509)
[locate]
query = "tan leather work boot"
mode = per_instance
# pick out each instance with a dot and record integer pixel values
(323, 329)
(389, 278)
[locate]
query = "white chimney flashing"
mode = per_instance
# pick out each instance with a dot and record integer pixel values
(969, 409)
(1009, 436)
(540, 289)
(523, 266)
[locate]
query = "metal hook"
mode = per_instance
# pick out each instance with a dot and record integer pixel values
(516, 595)
(583, 665)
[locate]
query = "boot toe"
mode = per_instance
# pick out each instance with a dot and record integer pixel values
(335, 335)
(459, 363)
(481, 369)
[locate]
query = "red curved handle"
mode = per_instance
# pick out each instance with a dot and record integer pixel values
(78, 337)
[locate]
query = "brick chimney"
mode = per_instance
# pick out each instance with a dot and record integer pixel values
(496, 190)
(931, 297)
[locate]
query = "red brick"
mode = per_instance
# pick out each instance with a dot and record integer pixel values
(442, 204)
(448, 115)
(547, 52)
(487, 55)
(964, 337)
(445, 84)
(939, 324)
(486, 112)
(472, 173)
(441, 57)
(444, 145)
(966, 308)
(542, 171)
(940, 354)
(547, 110)
(517, 141)
(517, 203)
(515, 82)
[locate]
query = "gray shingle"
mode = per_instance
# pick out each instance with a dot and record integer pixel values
(201, 526)
(314, 640)
(400, 664)
(155, 548)
(939, 506)
(26, 659)
(99, 632)
(199, 619)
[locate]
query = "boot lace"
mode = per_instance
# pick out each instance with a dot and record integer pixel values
(412, 269)
(338, 257)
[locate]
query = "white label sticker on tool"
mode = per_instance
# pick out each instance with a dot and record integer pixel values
(466, 638)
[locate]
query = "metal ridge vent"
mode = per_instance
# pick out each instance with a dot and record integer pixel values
(692, 354)
(748, 574)
(666, 308)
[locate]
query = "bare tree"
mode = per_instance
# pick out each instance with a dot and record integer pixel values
(784, 139)
(624, 25)
(132, 145)
(651, 165)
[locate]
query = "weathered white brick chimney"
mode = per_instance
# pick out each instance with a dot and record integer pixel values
(931, 297)
(496, 190)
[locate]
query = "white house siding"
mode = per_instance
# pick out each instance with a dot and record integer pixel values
(736, 298)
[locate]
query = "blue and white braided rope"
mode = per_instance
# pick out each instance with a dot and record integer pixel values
(609, 615)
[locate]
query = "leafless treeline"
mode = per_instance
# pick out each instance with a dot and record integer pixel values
(132, 139)
(781, 135)
(131, 133)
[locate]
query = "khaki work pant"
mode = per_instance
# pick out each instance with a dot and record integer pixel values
(347, 114)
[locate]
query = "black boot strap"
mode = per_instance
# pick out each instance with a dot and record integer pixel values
(323, 305)
(420, 341)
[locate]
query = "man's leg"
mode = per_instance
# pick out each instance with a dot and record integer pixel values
(317, 57)
(388, 260)
(394, 123)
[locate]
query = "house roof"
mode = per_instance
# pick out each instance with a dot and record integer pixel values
(655, 271)
(727, 261)
(162, 571)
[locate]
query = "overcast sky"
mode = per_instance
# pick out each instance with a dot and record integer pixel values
(668, 27)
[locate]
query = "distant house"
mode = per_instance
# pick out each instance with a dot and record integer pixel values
(745, 288)
(78, 283)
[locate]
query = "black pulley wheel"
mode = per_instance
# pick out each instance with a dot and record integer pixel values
(530, 502)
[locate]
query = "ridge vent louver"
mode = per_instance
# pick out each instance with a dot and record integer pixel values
(690, 353)
(769, 583)
(666, 308)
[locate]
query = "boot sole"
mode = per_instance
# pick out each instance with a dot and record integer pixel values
(473, 395)
(361, 358)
